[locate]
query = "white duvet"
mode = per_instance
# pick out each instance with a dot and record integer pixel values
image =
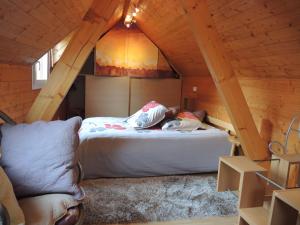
(109, 147)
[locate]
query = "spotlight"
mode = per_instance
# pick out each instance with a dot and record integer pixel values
(128, 18)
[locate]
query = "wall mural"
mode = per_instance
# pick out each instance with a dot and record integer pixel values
(128, 52)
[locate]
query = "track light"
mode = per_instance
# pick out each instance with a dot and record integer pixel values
(130, 18)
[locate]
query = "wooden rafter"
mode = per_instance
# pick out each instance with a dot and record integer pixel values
(126, 8)
(211, 47)
(101, 16)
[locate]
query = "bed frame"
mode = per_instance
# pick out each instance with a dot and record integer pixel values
(236, 148)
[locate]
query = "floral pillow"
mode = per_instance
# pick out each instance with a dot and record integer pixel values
(185, 121)
(151, 114)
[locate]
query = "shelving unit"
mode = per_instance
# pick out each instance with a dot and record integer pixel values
(285, 209)
(238, 173)
(254, 216)
(282, 171)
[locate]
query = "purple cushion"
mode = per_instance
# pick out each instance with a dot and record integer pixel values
(42, 157)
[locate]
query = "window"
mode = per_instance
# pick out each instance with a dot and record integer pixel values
(41, 71)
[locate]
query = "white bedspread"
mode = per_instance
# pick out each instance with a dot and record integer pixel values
(110, 148)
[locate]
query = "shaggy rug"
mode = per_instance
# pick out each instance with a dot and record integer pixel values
(133, 200)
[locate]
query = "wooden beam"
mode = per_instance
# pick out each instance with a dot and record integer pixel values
(222, 124)
(101, 16)
(212, 49)
(125, 9)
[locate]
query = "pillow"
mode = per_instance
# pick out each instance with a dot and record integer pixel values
(42, 157)
(9, 201)
(185, 121)
(47, 209)
(200, 114)
(172, 112)
(148, 116)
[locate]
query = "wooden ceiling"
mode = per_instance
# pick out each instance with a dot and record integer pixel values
(30, 27)
(166, 25)
(262, 38)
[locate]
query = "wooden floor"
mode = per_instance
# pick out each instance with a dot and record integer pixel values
(228, 220)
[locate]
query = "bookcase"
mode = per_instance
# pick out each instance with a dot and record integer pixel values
(238, 173)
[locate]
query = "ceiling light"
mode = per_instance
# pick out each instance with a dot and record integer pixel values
(137, 9)
(128, 18)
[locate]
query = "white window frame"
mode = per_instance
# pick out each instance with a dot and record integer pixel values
(39, 83)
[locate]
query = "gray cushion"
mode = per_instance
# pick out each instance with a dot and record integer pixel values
(41, 157)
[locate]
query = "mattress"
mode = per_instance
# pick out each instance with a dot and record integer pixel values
(110, 148)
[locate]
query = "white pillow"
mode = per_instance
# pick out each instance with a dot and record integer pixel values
(151, 114)
(185, 121)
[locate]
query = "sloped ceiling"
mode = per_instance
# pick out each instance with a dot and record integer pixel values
(30, 27)
(165, 24)
(262, 38)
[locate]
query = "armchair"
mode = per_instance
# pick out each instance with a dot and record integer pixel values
(56, 209)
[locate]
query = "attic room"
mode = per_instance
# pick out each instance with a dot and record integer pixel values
(156, 112)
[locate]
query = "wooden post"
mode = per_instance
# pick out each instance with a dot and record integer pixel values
(101, 16)
(211, 47)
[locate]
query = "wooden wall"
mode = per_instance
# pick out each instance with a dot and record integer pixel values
(16, 93)
(30, 28)
(165, 24)
(262, 39)
(272, 102)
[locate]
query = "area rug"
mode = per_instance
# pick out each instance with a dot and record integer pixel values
(133, 200)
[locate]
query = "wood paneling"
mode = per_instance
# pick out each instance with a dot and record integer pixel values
(272, 103)
(100, 17)
(261, 38)
(16, 93)
(31, 27)
(263, 42)
(165, 24)
(218, 62)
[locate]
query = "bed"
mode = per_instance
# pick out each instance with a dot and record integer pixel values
(110, 148)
